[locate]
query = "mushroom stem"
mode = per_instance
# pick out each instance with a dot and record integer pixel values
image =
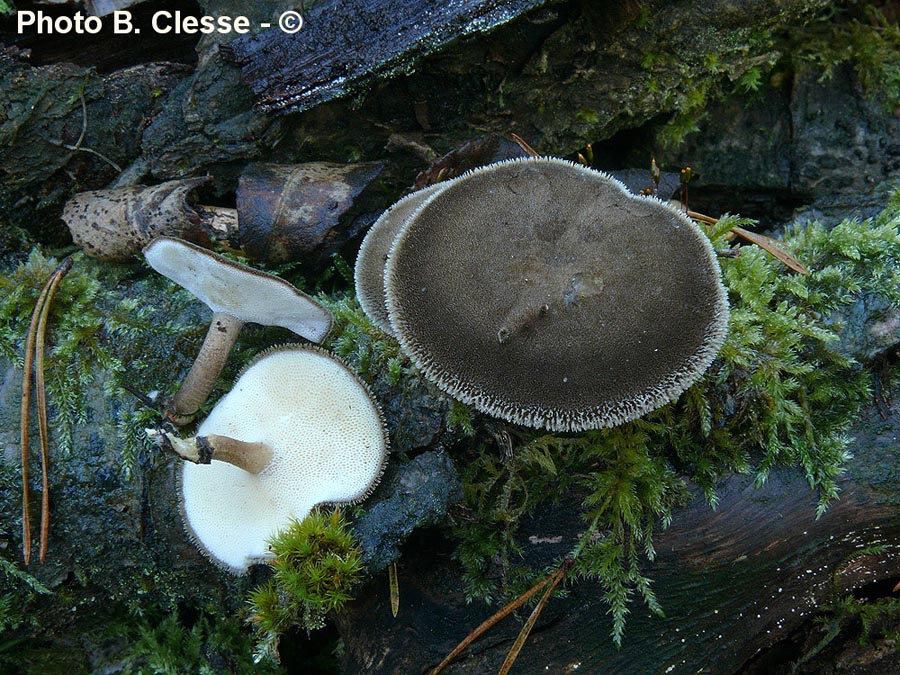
(249, 456)
(220, 338)
(522, 317)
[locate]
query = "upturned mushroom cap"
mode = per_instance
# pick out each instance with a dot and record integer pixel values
(373, 253)
(544, 293)
(230, 288)
(328, 443)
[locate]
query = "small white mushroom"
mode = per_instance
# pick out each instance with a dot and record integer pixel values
(237, 294)
(299, 429)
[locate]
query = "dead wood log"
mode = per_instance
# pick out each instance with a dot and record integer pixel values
(67, 128)
(346, 42)
(733, 581)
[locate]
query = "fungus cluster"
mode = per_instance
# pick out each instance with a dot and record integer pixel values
(544, 293)
(298, 429)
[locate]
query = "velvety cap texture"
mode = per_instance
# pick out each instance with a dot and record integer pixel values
(546, 294)
(373, 253)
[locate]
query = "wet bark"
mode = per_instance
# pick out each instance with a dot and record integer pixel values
(348, 43)
(560, 75)
(733, 581)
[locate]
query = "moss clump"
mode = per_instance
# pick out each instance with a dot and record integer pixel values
(361, 344)
(778, 394)
(856, 34)
(317, 562)
(176, 643)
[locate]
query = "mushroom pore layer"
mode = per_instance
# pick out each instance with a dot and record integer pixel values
(544, 293)
(327, 442)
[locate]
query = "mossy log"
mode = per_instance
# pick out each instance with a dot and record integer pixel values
(65, 128)
(733, 582)
(563, 74)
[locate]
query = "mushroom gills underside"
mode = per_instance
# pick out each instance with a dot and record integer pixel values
(328, 442)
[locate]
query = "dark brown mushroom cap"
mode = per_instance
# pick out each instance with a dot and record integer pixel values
(373, 253)
(237, 290)
(544, 293)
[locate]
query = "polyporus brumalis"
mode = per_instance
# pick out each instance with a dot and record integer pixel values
(373, 253)
(237, 294)
(544, 293)
(298, 429)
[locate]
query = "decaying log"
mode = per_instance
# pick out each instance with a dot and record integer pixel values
(66, 128)
(344, 43)
(732, 581)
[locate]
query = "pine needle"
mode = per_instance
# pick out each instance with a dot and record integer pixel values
(34, 356)
(771, 246)
(531, 152)
(557, 576)
(25, 411)
(489, 623)
(395, 589)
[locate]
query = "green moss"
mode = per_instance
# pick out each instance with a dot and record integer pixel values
(317, 562)
(864, 38)
(750, 81)
(174, 644)
(778, 394)
(588, 115)
(104, 328)
(877, 619)
(360, 343)
(17, 590)
(855, 34)
(460, 417)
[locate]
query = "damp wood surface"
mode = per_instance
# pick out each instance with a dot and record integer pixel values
(347, 42)
(561, 75)
(733, 582)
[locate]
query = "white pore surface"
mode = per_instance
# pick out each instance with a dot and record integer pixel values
(328, 442)
(237, 290)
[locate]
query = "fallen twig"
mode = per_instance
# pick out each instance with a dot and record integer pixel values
(78, 147)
